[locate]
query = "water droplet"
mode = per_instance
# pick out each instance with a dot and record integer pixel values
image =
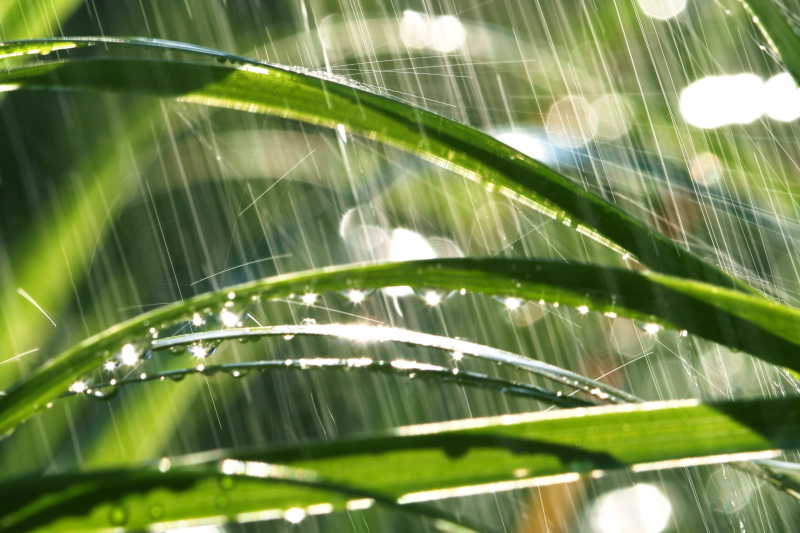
(198, 320)
(610, 314)
(295, 515)
(288, 337)
(118, 515)
(432, 298)
(164, 464)
(128, 355)
(308, 321)
(78, 387)
(356, 296)
(229, 319)
(457, 356)
(309, 298)
(651, 328)
(153, 333)
(583, 309)
(49, 405)
(143, 376)
(198, 351)
(512, 303)
(110, 366)
(231, 295)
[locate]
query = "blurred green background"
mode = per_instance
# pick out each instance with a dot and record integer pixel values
(112, 205)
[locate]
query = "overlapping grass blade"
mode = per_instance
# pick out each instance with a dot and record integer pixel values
(414, 464)
(137, 498)
(765, 329)
(397, 367)
(270, 89)
(365, 333)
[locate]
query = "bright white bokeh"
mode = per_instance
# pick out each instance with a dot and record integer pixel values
(414, 31)
(782, 98)
(706, 169)
(716, 101)
(642, 508)
(444, 33)
(448, 34)
(571, 122)
(613, 116)
(662, 9)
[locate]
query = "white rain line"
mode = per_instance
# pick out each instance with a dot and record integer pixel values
(34, 303)
(253, 262)
(19, 355)
(277, 181)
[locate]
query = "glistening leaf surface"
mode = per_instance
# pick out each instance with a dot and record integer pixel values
(412, 465)
(765, 329)
(270, 89)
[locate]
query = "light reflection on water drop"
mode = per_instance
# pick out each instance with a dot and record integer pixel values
(432, 298)
(356, 296)
(198, 320)
(295, 515)
(78, 387)
(128, 355)
(228, 318)
(199, 351)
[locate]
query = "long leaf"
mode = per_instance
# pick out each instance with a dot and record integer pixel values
(774, 25)
(397, 367)
(366, 333)
(275, 90)
(135, 499)
(750, 323)
(415, 464)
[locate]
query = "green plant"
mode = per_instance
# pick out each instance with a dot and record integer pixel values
(645, 276)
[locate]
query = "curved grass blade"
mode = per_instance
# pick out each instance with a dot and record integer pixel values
(139, 498)
(362, 333)
(417, 464)
(269, 89)
(781, 37)
(397, 367)
(765, 329)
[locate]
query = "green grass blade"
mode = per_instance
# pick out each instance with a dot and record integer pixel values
(64, 242)
(396, 367)
(364, 333)
(417, 464)
(765, 329)
(274, 90)
(136, 499)
(781, 37)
